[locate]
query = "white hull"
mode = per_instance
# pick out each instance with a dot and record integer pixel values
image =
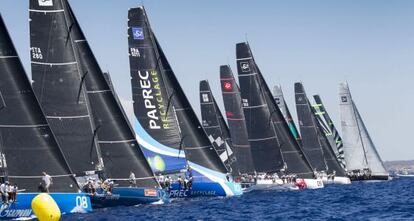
(314, 183)
(337, 180)
(405, 175)
(274, 186)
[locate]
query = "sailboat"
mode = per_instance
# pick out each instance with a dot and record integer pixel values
(117, 143)
(216, 128)
(281, 103)
(314, 142)
(27, 145)
(362, 159)
(330, 130)
(276, 154)
(168, 130)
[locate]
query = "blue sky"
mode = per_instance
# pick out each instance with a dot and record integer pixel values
(321, 43)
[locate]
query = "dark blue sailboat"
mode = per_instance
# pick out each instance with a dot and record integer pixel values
(22, 161)
(167, 128)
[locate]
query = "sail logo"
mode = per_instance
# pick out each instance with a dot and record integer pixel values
(45, 2)
(227, 86)
(138, 33)
(344, 99)
(277, 100)
(229, 114)
(205, 98)
(245, 67)
(135, 52)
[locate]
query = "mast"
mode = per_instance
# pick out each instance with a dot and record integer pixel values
(148, 63)
(236, 120)
(216, 128)
(119, 148)
(58, 84)
(28, 146)
(265, 145)
(331, 132)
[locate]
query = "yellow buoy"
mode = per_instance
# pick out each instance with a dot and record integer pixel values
(45, 208)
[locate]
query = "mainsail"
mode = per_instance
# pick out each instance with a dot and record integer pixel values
(360, 151)
(265, 145)
(167, 125)
(330, 130)
(57, 82)
(216, 128)
(236, 120)
(281, 103)
(118, 146)
(313, 138)
(26, 141)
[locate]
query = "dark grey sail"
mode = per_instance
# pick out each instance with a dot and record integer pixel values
(281, 103)
(118, 146)
(265, 145)
(235, 119)
(160, 105)
(216, 128)
(294, 157)
(331, 132)
(27, 145)
(57, 82)
(314, 141)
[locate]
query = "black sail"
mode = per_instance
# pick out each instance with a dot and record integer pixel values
(236, 120)
(147, 57)
(57, 82)
(118, 146)
(26, 141)
(314, 141)
(216, 128)
(331, 132)
(293, 155)
(265, 145)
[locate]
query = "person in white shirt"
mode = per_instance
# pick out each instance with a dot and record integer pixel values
(47, 180)
(132, 179)
(3, 193)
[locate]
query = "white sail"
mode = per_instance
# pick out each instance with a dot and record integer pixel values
(374, 161)
(353, 148)
(360, 152)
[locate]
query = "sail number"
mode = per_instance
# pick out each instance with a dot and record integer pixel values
(36, 53)
(82, 201)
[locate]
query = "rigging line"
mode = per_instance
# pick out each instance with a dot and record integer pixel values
(95, 133)
(80, 85)
(68, 33)
(181, 145)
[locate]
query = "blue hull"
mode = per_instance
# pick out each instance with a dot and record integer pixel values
(67, 202)
(128, 196)
(203, 189)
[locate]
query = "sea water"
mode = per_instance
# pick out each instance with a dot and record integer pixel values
(386, 200)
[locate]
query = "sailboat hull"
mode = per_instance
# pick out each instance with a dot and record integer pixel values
(128, 196)
(67, 202)
(336, 180)
(372, 177)
(314, 183)
(203, 189)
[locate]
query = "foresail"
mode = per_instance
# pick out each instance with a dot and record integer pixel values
(281, 103)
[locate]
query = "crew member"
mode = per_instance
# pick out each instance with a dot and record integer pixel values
(47, 180)
(132, 179)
